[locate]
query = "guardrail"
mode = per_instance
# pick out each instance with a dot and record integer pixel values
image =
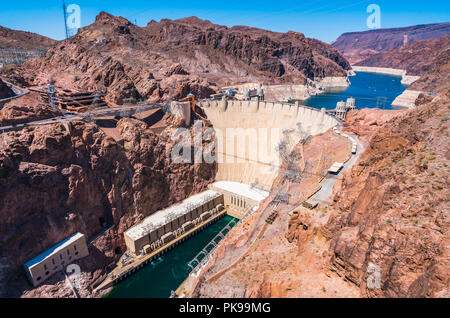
(198, 261)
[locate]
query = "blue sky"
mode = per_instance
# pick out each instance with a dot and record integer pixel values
(321, 19)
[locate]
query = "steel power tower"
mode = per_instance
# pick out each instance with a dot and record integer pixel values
(65, 20)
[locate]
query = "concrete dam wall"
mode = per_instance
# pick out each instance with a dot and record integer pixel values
(254, 136)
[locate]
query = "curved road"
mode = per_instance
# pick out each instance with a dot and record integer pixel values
(325, 192)
(16, 89)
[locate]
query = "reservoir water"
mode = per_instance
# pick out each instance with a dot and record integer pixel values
(369, 89)
(160, 277)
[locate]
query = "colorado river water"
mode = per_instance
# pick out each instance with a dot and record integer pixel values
(369, 89)
(159, 278)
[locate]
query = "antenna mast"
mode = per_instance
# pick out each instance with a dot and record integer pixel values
(65, 19)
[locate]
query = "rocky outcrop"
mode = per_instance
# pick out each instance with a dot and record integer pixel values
(392, 214)
(23, 40)
(54, 182)
(178, 57)
(358, 46)
(25, 109)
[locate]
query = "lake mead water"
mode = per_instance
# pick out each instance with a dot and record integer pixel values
(369, 89)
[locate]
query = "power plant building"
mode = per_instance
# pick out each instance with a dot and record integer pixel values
(56, 258)
(164, 225)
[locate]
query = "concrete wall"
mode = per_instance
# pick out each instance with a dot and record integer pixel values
(236, 201)
(269, 121)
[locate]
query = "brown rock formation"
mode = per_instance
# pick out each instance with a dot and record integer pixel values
(358, 46)
(54, 182)
(429, 59)
(134, 62)
(23, 40)
(27, 108)
(393, 209)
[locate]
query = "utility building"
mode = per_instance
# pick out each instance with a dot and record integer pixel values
(163, 226)
(240, 197)
(56, 258)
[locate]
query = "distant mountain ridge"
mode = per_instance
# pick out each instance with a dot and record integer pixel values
(358, 46)
(23, 40)
(198, 56)
(428, 58)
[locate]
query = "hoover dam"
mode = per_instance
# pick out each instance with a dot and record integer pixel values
(250, 151)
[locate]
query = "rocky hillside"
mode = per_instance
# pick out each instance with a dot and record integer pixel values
(5, 91)
(392, 208)
(389, 212)
(187, 55)
(357, 46)
(23, 40)
(428, 58)
(31, 107)
(54, 182)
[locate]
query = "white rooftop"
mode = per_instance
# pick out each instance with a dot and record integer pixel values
(162, 217)
(243, 189)
(54, 249)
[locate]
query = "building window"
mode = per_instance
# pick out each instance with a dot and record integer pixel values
(39, 278)
(68, 252)
(47, 272)
(45, 267)
(75, 247)
(53, 261)
(76, 253)
(62, 263)
(60, 256)
(54, 268)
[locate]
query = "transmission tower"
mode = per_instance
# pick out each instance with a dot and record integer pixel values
(65, 20)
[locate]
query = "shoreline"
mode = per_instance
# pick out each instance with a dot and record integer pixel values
(408, 97)
(406, 79)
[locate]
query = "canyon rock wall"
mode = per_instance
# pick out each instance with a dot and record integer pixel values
(429, 59)
(54, 182)
(392, 208)
(358, 46)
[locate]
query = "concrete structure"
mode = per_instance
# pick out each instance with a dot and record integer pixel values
(56, 258)
(161, 227)
(270, 124)
(239, 196)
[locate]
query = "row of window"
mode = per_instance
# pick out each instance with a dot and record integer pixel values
(61, 258)
(238, 201)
